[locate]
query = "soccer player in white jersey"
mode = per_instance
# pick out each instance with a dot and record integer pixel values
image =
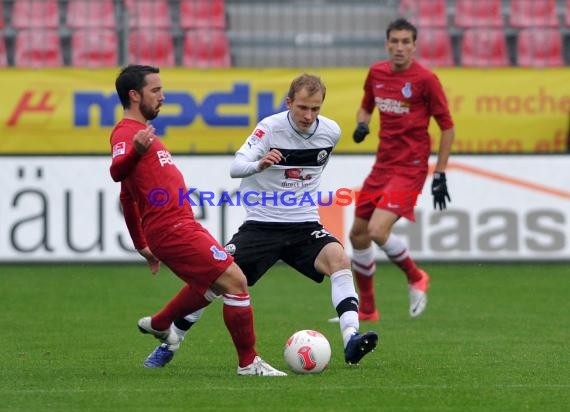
(281, 164)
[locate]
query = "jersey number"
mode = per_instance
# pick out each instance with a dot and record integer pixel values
(320, 233)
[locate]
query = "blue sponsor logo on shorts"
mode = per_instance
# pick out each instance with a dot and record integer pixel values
(218, 254)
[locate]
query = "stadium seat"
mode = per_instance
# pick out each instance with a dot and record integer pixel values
(484, 48)
(206, 48)
(480, 13)
(29, 14)
(94, 48)
(198, 14)
(148, 13)
(153, 47)
(3, 53)
(434, 48)
(525, 13)
(425, 13)
(38, 48)
(540, 47)
(87, 13)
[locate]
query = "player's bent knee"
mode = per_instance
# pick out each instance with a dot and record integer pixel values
(231, 281)
(331, 259)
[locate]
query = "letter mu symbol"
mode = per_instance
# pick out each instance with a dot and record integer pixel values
(26, 105)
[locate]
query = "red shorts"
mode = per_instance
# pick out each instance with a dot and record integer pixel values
(191, 253)
(396, 192)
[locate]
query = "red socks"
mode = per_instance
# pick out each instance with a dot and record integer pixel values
(238, 317)
(186, 301)
(410, 269)
(366, 292)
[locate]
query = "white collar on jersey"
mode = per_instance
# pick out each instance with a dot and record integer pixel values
(305, 136)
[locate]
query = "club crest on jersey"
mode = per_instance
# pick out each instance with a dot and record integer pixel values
(119, 149)
(407, 90)
(218, 254)
(231, 248)
(322, 157)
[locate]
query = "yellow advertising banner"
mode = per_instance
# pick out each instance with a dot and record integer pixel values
(72, 111)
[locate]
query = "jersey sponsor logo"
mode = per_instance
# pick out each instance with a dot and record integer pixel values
(407, 90)
(392, 106)
(297, 174)
(164, 157)
(119, 149)
(218, 254)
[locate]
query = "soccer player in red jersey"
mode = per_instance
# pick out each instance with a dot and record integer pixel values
(407, 95)
(163, 230)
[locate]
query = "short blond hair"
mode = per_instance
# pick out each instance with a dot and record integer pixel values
(309, 82)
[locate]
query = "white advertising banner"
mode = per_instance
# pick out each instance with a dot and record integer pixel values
(502, 207)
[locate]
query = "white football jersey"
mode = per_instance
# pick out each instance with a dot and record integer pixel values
(288, 191)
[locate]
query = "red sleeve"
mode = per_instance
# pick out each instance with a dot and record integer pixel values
(438, 103)
(132, 218)
(367, 102)
(125, 157)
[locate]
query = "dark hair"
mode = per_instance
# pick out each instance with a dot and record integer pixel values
(132, 77)
(402, 24)
(310, 82)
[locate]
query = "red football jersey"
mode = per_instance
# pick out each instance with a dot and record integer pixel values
(152, 180)
(405, 100)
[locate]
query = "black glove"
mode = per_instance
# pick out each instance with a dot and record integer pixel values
(360, 132)
(439, 190)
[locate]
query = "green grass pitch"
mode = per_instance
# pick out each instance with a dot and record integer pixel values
(495, 337)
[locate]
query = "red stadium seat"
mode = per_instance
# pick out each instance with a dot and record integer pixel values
(479, 13)
(540, 47)
(434, 48)
(38, 48)
(198, 14)
(484, 48)
(525, 13)
(148, 13)
(94, 48)
(28, 14)
(206, 48)
(88, 13)
(424, 13)
(3, 54)
(154, 47)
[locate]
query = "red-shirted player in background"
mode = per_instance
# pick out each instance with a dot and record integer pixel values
(162, 230)
(406, 95)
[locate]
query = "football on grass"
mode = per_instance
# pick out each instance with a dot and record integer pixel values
(307, 351)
